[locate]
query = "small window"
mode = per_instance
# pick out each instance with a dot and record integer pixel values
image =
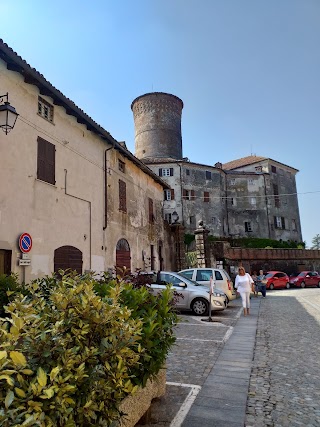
(192, 220)
(233, 201)
(203, 275)
(276, 195)
(187, 273)
(258, 168)
(232, 181)
(294, 225)
(188, 194)
(166, 172)
(46, 161)
(45, 109)
(121, 166)
(279, 222)
(151, 214)
(247, 226)
(253, 201)
(206, 196)
(250, 181)
(208, 175)
(169, 194)
(273, 169)
(213, 220)
(122, 196)
(188, 172)
(218, 275)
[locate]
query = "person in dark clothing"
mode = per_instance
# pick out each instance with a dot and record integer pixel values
(262, 283)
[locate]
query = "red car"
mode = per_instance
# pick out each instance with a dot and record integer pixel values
(277, 280)
(306, 278)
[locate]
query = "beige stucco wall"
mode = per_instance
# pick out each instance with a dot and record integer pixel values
(52, 217)
(134, 225)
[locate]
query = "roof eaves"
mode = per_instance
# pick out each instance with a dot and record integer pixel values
(32, 76)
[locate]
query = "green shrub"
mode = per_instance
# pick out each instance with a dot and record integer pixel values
(72, 349)
(8, 286)
(158, 318)
(66, 355)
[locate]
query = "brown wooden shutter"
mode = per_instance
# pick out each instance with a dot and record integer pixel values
(160, 172)
(283, 223)
(172, 194)
(192, 194)
(171, 171)
(51, 160)
(151, 216)
(46, 161)
(41, 160)
(184, 193)
(275, 222)
(206, 196)
(122, 196)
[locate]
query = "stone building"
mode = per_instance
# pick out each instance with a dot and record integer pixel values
(86, 201)
(249, 197)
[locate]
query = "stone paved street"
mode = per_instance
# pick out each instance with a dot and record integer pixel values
(284, 387)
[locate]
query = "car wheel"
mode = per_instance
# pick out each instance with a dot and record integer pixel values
(227, 299)
(303, 285)
(200, 307)
(288, 285)
(271, 286)
(318, 284)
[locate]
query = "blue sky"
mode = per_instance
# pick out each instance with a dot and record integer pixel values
(246, 70)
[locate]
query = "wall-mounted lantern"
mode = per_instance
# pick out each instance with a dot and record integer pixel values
(8, 114)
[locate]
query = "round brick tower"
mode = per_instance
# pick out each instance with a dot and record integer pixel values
(157, 122)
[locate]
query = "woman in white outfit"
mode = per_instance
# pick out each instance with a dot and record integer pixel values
(243, 285)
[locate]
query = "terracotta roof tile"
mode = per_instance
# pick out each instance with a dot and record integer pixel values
(244, 161)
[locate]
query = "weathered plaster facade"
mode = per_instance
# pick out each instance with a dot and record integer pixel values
(252, 197)
(80, 208)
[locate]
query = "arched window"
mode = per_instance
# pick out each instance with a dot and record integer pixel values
(68, 257)
(123, 258)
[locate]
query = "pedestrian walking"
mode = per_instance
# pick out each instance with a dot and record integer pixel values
(255, 286)
(262, 283)
(244, 285)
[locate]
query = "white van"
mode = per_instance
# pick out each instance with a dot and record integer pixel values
(221, 278)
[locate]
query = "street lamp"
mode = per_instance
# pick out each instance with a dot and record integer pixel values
(175, 217)
(8, 114)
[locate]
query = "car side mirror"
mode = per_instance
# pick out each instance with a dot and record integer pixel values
(182, 285)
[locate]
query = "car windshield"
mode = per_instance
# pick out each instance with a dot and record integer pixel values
(269, 275)
(301, 275)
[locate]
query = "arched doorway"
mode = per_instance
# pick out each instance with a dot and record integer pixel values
(123, 258)
(67, 257)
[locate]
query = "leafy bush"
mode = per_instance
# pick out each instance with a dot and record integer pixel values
(68, 356)
(255, 242)
(157, 315)
(8, 286)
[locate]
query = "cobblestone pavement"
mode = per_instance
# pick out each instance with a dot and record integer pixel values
(191, 360)
(284, 386)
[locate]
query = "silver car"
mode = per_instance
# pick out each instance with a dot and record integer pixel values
(221, 279)
(193, 297)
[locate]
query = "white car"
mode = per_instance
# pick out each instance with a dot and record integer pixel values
(221, 279)
(193, 297)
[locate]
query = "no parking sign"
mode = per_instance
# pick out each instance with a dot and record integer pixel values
(25, 243)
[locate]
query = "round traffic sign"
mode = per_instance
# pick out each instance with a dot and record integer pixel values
(25, 242)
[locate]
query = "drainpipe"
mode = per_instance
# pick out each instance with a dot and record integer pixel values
(226, 202)
(181, 192)
(106, 186)
(84, 200)
(266, 199)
